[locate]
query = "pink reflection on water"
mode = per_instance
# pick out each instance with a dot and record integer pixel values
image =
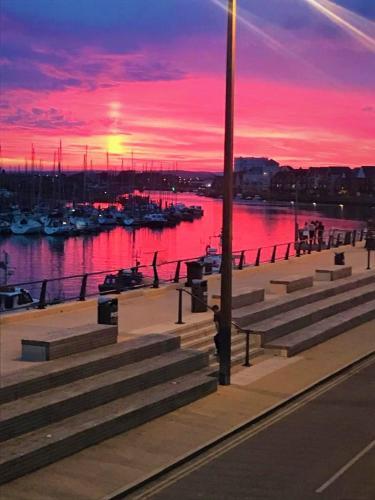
(35, 258)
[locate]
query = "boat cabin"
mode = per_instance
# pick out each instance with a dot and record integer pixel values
(12, 298)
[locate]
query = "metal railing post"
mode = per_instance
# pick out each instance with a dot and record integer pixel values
(368, 259)
(298, 249)
(354, 237)
(179, 316)
(329, 243)
(273, 258)
(176, 278)
(42, 297)
(257, 260)
(242, 260)
(155, 283)
(247, 358)
(82, 293)
(287, 252)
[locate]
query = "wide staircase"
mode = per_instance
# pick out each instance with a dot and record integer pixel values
(59, 407)
(299, 320)
(200, 336)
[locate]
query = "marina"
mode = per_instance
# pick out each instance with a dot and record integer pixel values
(104, 248)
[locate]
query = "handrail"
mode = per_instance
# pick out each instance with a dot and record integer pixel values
(233, 323)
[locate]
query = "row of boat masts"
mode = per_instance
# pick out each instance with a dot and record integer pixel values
(89, 219)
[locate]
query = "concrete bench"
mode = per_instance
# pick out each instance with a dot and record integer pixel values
(333, 273)
(242, 299)
(68, 341)
(290, 284)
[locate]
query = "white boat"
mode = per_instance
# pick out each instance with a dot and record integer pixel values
(26, 225)
(13, 298)
(56, 227)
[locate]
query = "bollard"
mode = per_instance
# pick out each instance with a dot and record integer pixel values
(82, 293)
(42, 297)
(368, 259)
(179, 318)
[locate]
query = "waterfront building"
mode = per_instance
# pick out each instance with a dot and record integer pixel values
(253, 175)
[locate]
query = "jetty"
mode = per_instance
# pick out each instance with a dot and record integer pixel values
(97, 421)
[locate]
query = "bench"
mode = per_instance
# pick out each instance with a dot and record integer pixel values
(290, 284)
(242, 299)
(333, 273)
(64, 342)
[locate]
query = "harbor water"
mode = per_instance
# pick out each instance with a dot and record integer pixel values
(40, 257)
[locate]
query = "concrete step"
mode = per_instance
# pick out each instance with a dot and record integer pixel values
(317, 333)
(237, 358)
(285, 323)
(209, 330)
(44, 408)
(258, 312)
(65, 370)
(190, 327)
(207, 341)
(36, 449)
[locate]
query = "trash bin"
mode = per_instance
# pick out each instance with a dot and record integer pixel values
(194, 271)
(339, 259)
(199, 292)
(107, 310)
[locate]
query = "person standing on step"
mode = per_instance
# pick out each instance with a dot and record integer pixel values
(217, 321)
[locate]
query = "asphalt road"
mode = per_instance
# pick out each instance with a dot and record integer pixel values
(325, 449)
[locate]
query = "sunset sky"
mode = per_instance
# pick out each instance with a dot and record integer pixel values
(147, 76)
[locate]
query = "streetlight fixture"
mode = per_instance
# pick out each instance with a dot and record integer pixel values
(226, 263)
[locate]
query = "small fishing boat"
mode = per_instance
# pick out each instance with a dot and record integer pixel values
(12, 298)
(126, 279)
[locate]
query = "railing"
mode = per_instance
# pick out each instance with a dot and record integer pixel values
(203, 302)
(82, 286)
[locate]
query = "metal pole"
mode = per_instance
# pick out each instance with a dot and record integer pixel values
(179, 319)
(226, 262)
(368, 259)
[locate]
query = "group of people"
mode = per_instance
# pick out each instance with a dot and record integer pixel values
(312, 232)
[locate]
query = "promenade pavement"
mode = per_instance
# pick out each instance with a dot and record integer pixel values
(129, 458)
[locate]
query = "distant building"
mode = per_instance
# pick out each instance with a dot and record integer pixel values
(253, 175)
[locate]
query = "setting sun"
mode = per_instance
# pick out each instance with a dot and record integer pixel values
(115, 144)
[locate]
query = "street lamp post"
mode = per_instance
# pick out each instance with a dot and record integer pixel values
(226, 264)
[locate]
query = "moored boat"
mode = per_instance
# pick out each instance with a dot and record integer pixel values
(126, 279)
(12, 298)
